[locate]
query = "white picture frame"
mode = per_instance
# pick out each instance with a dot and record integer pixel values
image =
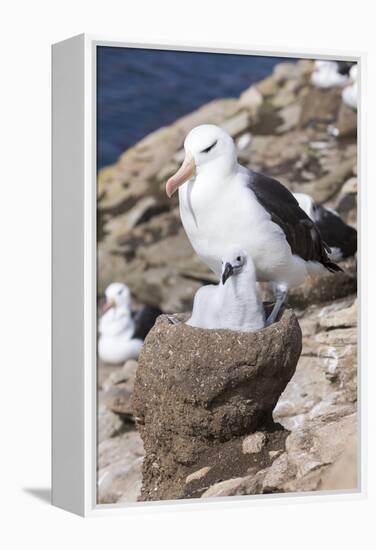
(74, 378)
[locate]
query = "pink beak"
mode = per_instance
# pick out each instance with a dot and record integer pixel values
(186, 171)
(107, 305)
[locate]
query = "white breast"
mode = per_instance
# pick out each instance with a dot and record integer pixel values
(115, 343)
(350, 95)
(117, 321)
(218, 216)
(234, 306)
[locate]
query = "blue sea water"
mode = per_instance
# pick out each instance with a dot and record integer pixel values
(140, 90)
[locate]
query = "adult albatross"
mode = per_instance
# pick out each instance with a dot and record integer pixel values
(224, 205)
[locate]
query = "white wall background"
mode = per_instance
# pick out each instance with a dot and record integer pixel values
(27, 30)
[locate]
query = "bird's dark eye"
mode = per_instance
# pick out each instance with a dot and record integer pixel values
(120, 291)
(209, 148)
(238, 259)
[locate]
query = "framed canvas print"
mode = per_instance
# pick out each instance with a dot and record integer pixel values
(206, 260)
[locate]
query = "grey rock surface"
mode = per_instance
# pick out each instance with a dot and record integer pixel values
(119, 468)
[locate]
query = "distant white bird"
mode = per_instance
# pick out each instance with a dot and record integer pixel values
(224, 205)
(116, 327)
(350, 92)
(234, 303)
(327, 75)
(340, 237)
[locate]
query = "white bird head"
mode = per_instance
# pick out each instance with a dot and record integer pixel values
(206, 146)
(233, 264)
(117, 296)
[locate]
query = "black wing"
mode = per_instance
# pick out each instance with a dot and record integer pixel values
(144, 320)
(301, 233)
(344, 67)
(335, 231)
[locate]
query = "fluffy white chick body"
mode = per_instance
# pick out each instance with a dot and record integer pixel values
(234, 303)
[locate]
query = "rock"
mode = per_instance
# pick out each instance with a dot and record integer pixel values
(308, 387)
(325, 382)
(286, 71)
(320, 106)
(165, 288)
(199, 474)
(327, 186)
(118, 400)
(315, 459)
(283, 99)
(149, 233)
(344, 473)
(104, 371)
(119, 468)
(346, 201)
(309, 449)
(119, 226)
(199, 392)
(214, 112)
(120, 483)
(339, 337)
(118, 388)
(251, 99)
(350, 186)
(274, 454)
(267, 120)
(325, 288)
(253, 443)
(347, 208)
(237, 124)
(305, 67)
(127, 446)
(252, 484)
(342, 318)
(125, 374)
(108, 423)
(128, 485)
(347, 121)
(223, 488)
(111, 266)
(277, 474)
(267, 87)
(290, 116)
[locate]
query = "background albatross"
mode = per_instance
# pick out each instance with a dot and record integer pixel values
(224, 205)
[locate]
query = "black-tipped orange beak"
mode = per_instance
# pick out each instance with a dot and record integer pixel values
(186, 171)
(107, 306)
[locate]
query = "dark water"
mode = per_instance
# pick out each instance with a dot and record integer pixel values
(141, 90)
